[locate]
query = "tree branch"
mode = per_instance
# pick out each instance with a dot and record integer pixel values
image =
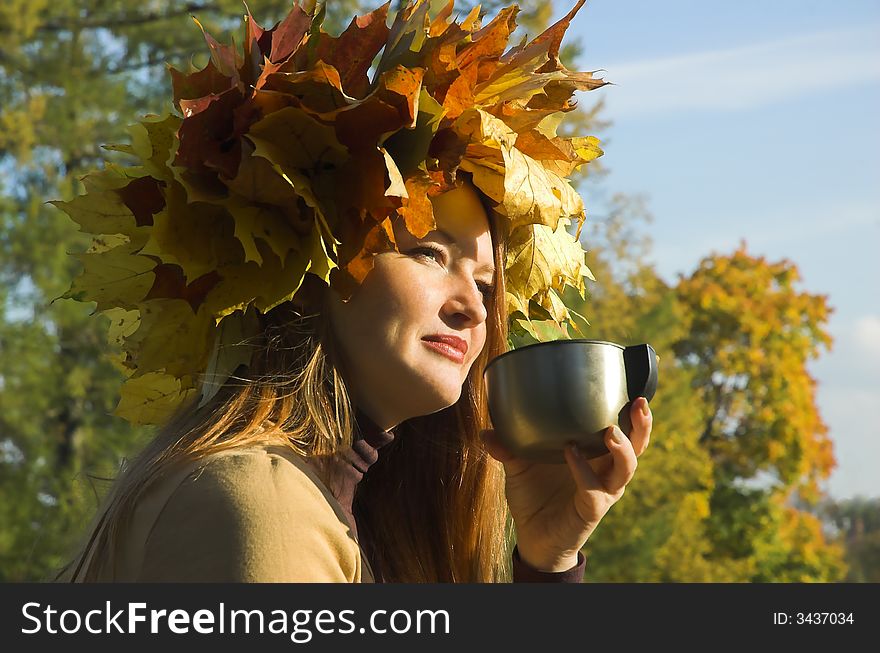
(152, 61)
(709, 429)
(122, 21)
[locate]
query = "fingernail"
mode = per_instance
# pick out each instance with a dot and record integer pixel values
(617, 435)
(575, 451)
(646, 409)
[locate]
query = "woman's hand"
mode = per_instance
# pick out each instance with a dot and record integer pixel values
(555, 512)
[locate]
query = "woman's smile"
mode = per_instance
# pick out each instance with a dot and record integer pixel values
(446, 350)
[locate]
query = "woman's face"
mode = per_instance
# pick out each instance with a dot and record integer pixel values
(436, 285)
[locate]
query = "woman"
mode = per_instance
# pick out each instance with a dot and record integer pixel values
(246, 489)
(351, 444)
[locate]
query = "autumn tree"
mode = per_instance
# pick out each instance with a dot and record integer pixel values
(750, 333)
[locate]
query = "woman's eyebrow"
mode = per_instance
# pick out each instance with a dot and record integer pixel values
(488, 267)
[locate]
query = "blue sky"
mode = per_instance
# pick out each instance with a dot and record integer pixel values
(758, 121)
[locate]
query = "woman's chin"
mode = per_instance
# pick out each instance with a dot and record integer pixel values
(424, 389)
(434, 401)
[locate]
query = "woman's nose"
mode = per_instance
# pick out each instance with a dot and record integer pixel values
(466, 299)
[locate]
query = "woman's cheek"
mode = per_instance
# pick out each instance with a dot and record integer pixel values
(479, 344)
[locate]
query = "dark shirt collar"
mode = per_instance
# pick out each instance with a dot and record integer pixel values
(368, 435)
(343, 471)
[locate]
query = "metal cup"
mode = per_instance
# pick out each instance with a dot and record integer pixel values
(545, 395)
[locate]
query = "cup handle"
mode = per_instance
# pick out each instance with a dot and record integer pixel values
(640, 362)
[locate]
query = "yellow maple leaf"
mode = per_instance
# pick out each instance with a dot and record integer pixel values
(154, 140)
(293, 139)
(153, 398)
(171, 337)
(233, 346)
(268, 223)
(271, 283)
(114, 277)
(101, 211)
(197, 236)
(532, 194)
(540, 258)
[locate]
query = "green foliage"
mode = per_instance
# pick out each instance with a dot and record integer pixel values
(856, 523)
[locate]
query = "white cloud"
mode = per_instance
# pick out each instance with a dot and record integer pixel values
(867, 336)
(745, 77)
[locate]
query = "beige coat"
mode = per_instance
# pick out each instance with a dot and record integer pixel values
(258, 514)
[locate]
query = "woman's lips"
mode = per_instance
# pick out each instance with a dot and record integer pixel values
(449, 351)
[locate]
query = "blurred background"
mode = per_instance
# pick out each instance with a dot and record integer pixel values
(733, 223)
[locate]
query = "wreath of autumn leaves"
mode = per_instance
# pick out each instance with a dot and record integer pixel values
(292, 157)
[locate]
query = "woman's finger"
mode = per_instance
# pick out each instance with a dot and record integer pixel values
(584, 475)
(642, 421)
(625, 460)
(601, 464)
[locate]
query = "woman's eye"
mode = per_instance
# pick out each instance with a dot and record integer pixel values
(435, 254)
(486, 289)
